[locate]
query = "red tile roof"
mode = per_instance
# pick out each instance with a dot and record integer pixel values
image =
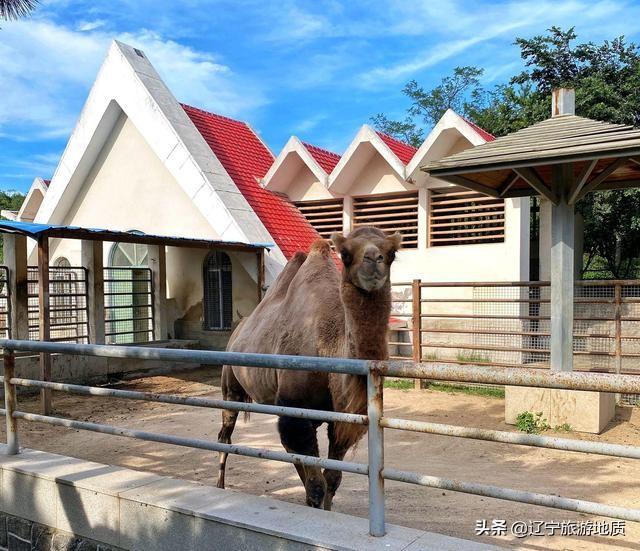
(485, 135)
(403, 151)
(247, 160)
(325, 158)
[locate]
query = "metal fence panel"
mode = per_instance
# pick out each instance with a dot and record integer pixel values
(128, 305)
(69, 316)
(507, 324)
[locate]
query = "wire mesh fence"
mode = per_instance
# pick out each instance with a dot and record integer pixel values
(69, 319)
(128, 297)
(507, 324)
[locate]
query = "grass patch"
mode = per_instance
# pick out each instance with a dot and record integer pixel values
(565, 427)
(472, 358)
(401, 384)
(472, 390)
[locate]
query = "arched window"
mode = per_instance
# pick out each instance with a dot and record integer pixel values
(218, 303)
(62, 262)
(129, 254)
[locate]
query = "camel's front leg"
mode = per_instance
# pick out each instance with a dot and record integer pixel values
(337, 450)
(299, 436)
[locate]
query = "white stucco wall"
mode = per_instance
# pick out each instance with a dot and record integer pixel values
(307, 187)
(129, 188)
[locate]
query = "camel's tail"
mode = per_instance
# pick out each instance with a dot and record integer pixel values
(247, 414)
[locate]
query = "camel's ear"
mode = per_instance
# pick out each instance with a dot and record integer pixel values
(338, 240)
(395, 240)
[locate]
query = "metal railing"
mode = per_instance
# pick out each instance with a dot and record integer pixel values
(68, 304)
(128, 308)
(374, 371)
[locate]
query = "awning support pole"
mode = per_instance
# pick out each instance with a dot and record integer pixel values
(45, 320)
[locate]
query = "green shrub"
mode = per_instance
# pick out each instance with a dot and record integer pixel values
(531, 423)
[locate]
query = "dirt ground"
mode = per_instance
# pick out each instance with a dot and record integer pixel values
(595, 478)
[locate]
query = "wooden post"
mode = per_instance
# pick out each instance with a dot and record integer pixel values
(158, 265)
(416, 319)
(10, 402)
(45, 328)
(92, 261)
(260, 258)
(15, 258)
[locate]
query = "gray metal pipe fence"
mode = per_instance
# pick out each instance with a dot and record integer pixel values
(374, 371)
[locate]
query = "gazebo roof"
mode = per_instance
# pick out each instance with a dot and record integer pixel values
(600, 155)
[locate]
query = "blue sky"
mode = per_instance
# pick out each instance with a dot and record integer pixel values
(317, 69)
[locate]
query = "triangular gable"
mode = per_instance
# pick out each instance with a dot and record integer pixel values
(353, 160)
(450, 125)
(127, 82)
(285, 167)
(33, 200)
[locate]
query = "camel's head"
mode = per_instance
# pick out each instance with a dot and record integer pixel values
(367, 254)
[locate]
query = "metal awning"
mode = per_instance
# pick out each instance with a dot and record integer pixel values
(36, 231)
(600, 155)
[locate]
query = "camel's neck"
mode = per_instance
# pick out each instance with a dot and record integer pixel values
(367, 321)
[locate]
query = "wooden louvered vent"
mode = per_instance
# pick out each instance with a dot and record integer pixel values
(391, 213)
(325, 216)
(459, 217)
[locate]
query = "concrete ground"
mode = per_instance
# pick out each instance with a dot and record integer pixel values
(595, 478)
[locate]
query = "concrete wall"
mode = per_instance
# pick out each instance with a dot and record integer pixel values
(125, 509)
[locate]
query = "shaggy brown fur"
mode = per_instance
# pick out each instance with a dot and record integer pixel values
(312, 310)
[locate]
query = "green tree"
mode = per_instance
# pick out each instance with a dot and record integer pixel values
(15, 9)
(606, 77)
(9, 201)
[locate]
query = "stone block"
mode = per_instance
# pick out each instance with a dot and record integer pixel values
(584, 411)
(41, 537)
(17, 544)
(88, 513)
(145, 526)
(19, 527)
(27, 496)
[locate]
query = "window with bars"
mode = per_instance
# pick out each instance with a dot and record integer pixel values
(460, 217)
(393, 212)
(325, 216)
(218, 301)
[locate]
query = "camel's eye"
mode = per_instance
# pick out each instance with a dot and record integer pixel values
(346, 256)
(391, 256)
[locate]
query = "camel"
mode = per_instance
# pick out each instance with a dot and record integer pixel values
(313, 310)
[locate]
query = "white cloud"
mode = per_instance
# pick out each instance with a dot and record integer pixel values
(85, 26)
(47, 69)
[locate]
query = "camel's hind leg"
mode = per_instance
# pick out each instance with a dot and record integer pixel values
(299, 436)
(233, 391)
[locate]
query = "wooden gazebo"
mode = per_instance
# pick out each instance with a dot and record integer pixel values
(561, 159)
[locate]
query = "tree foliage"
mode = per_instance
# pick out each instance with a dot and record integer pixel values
(9, 201)
(15, 9)
(606, 77)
